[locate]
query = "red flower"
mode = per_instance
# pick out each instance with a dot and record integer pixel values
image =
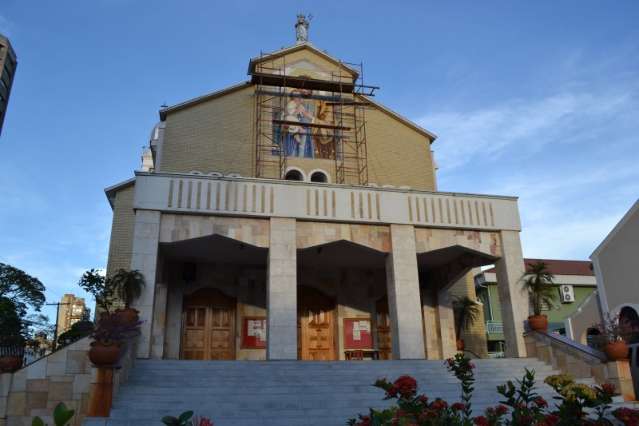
(501, 410)
(458, 406)
(364, 421)
(423, 399)
(540, 402)
(608, 389)
(480, 421)
(439, 404)
(549, 420)
(406, 386)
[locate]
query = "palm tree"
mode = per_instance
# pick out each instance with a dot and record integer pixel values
(466, 312)
(538, 282)
(128, 285)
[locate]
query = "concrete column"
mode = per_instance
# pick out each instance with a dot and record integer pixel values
(514, 301)
(159, 321)
(448, 345)
(281, 291)
(432, 343)
(173, 322)
(146, 235)
(402, 286)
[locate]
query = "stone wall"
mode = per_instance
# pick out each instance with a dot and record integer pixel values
(581, 361)
(64, 376)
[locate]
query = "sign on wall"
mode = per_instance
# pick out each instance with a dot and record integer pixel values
(254, 333)
(357, 334)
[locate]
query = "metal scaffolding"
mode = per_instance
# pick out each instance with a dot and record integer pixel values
(340, 125)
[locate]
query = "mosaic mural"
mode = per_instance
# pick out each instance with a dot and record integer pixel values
(298, 130)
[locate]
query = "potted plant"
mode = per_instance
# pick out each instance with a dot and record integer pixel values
(465, 312)
(613, 331)
(128, 285)
(538, 282)
(108, 336)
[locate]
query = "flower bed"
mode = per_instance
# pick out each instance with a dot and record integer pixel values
(576, 404)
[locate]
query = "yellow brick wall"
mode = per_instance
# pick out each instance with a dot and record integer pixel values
(121, 243)
(397, 154)
(214, 135)
(218, 135)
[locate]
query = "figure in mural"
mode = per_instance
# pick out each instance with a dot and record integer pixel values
(295, 137)
(297, 140)
(324, 139)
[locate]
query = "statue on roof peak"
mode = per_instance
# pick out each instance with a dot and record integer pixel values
(301, 28)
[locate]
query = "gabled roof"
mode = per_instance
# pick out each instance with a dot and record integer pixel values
(430, 135)
(618, 227)
(203, 98)
(113, 189)
(295, 48)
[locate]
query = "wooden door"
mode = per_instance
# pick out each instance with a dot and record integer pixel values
(316, 325)
(383, 328)
(208, 326)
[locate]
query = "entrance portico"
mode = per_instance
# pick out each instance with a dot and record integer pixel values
(263, 251)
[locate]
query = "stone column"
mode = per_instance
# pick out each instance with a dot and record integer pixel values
(514, 301)
(402, 286)
(146, 235)
(448, 343)
(159, 321)
(281, 291)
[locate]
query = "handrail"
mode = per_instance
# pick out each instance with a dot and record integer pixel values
(565, 341)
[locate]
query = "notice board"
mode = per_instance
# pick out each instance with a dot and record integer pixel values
(254, 333)
(357, 333)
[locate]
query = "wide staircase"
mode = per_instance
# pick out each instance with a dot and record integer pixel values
(251, 393)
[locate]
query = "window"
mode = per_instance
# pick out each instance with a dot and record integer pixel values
(319, 177)
(294, 175)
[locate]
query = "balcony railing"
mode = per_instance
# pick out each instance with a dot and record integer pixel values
(494, 327)
(203, 194)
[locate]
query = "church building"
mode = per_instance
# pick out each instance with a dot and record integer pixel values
(293, 216)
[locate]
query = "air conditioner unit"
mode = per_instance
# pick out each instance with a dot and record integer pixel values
(567, 293)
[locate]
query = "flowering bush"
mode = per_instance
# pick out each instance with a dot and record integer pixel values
(627, 416)
(521, 406)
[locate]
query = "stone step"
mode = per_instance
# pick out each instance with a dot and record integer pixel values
(297, 393)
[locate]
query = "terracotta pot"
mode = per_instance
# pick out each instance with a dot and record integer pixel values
(460, 344)
(104, 354)
(9, 364)
(616, 350)
(128, 315)
(538, 323)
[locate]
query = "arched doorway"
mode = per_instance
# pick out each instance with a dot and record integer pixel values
(208, 326)
(629, 320)
(383, 328)
(315, 325)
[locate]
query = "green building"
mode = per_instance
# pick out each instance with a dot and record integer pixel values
(575, 282)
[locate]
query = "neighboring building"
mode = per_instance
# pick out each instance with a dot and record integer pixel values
(72, 309)
(614, 261)
(8, 64)
(576, 287)
(292, 216)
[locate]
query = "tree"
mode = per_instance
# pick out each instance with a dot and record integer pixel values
(538, 282)
(11, 324)
(100, 287)
(20, 288)
(466, 312)
(128, 285)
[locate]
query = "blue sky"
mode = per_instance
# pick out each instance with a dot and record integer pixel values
(535, 99)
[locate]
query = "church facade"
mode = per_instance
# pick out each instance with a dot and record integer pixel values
(292, 216)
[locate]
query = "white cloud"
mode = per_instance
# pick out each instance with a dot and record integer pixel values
(474, 136)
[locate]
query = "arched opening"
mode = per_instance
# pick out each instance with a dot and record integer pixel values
(294, 175)
(629, 321)
(319, 177)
